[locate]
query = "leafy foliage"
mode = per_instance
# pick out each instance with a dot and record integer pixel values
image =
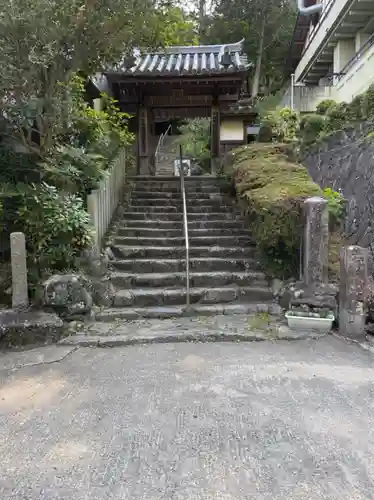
(283, 123)
(324, 106)
(72, 169)
(179, 27)
(264, 105)
(101, 132)
(54, 148)
(45, 43)
(55, 223)
(286, 126)
(266, 26)
(274, 189)
(90, 143)
(310, 127)
(336, 206)
(196, 140)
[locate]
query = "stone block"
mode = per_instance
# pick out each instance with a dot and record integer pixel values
(316, 238)
(31, 327)
(276, 287)
(103, 293)
(196, 169)
(217, 295)
(20, 299)
(353, 291)
(297, 294)
(68, 294)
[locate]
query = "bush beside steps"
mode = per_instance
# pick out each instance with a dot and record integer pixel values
(272, 187)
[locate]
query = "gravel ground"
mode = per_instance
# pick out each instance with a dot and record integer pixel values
(221, 421)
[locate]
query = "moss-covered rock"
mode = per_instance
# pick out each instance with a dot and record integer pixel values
(273, 189)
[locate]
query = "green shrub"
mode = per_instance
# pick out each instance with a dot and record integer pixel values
(283, 123)
(72, 169)
(367, 104)
(311, 127)
(357, 108)
(55, 223)
(324, 106)
(336, 206)
(17, 166)
(274, 189)
(265, 104)
(195, 140)
(265, 133)
(337, 116)
(102, 132)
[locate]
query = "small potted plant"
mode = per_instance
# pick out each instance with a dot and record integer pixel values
(320, 321)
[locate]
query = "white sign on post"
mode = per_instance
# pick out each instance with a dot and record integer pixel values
(186, 164)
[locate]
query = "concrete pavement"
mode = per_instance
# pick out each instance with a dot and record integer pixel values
(221, 421)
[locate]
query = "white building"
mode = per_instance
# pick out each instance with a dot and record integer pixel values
(332, 53)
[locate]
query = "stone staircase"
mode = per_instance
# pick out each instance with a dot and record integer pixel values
(148, 270)
(167, 154)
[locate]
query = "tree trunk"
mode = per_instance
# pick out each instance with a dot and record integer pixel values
(260, 52)
(202, 6)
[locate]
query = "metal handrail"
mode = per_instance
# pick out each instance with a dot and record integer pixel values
(185, 226)
(160, 143)
(357, 56)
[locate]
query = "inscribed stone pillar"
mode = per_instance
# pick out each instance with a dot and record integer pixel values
(316, 240)
(215, 138)
(353, 291)
(19, 271)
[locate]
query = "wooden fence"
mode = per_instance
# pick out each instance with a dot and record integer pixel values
(103, 201)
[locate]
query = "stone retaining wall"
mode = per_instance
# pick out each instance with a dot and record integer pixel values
(345, 162)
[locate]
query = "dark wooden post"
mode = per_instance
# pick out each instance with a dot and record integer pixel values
(143, 140)
(215, 125)
(151, 142)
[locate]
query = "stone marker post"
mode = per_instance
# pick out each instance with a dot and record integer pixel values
(19, 271)
(353, 291)
(316, 241)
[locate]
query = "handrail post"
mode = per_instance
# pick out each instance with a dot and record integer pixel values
(185, 225)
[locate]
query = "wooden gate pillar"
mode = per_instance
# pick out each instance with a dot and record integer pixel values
(143, 140)
(215, 145)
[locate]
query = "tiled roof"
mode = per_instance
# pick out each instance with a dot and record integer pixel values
(202, 59)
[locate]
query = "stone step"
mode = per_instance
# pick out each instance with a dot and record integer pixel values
(159, 209)
(211, 208)
(195, 241)
(173, 195)
(130, 313)
(204, 279)
(154, 252)
(215, 207)
(209, 179)
(150, 202)
(151, 232)
(152, 297)
(195, 224)
(178, 216)
(218, 202)
(203, 264)
(174, 186)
